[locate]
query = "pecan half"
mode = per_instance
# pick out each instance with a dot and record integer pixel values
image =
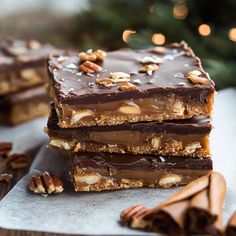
(127, 87)
(98, 55)
(45, 183)
(195, 76)
(151, 59)
(17, 161)
(120, 77)
(150, 67)
(106, 82)
(90, 67)
(5, 177)
(5, 148)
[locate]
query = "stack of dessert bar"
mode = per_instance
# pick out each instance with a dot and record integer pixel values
(23, 72)
(131, 118)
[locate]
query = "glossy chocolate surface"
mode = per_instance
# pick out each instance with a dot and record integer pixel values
(74, 87)
(114, 162)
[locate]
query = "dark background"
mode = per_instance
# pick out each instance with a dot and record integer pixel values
(209, 27)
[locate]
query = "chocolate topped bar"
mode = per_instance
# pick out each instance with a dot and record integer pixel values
(18, 54)
(177, 137)
(73, 87)
(22, 64)
(98, 172)
(129, 86)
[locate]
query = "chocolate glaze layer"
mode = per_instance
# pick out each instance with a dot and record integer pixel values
(74, 87)
(195, 125)
(17, 54)
(34, 93)
(114, 162)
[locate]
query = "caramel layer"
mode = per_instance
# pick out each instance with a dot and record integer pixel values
(134, 142)
(133, 110)
(107, 172)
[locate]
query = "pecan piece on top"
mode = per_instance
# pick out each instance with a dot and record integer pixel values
(150, 67)
(195, 76)
(127, 87)
(106, 82)
(89, 67)
(97, 55)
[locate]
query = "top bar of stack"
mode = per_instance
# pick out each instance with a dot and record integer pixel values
(129, 86)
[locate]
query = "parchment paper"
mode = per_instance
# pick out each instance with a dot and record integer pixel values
(25, 137)
(98, 213)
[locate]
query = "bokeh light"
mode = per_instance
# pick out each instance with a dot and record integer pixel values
(158, 39)
(126, 34)
(180, 11)
(204, 30)
(232, 34)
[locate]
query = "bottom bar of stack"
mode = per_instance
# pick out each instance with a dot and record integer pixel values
(104, 171)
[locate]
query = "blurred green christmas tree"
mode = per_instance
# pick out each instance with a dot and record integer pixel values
(209, 27)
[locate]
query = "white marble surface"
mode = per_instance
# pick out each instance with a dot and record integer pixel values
(98, 213)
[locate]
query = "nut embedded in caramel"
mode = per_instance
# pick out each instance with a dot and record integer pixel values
(60, 143)
(129, 109)
(89, 178)
(178, 107)
(78, 115)
(192, 147)
(169, 180)
(156, 142)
